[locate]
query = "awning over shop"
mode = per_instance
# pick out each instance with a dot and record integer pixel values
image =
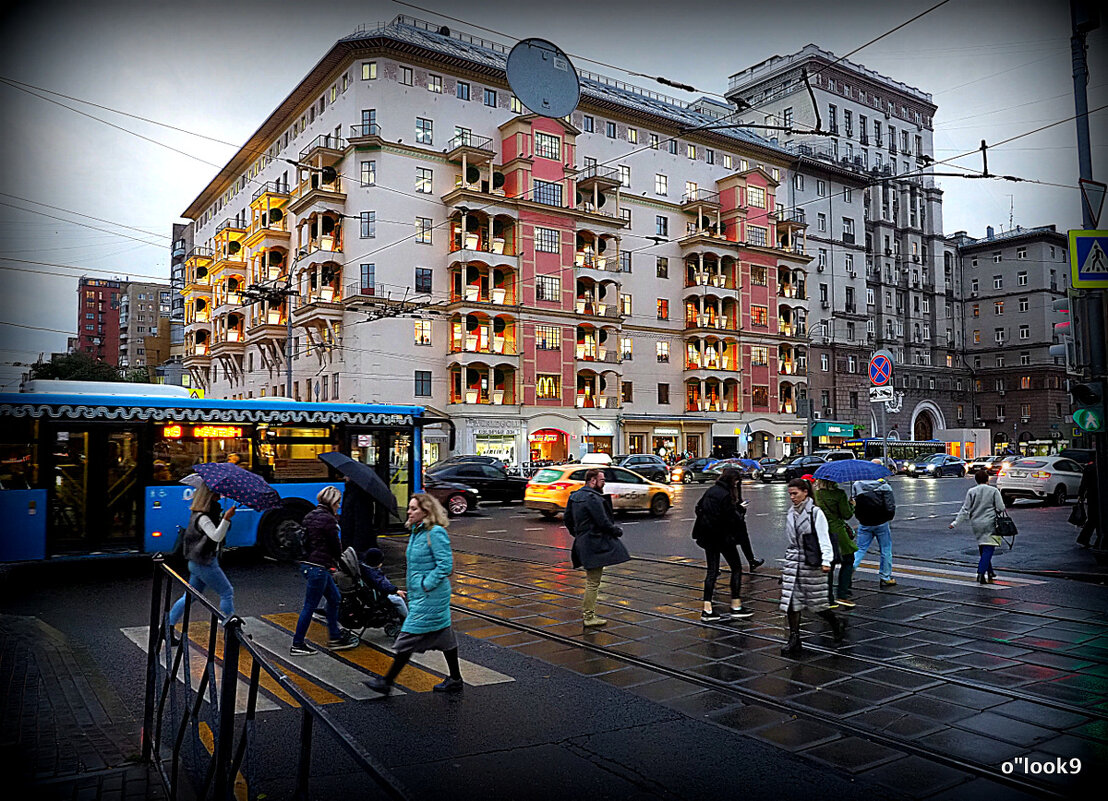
(830, 428)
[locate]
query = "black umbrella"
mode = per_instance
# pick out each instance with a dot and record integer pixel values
(364, 477)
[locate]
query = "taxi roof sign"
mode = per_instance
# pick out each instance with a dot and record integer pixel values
(1089, 259)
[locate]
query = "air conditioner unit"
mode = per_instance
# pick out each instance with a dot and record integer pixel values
(852, 273)
(888, 251)
(915, 258)
(819, 268)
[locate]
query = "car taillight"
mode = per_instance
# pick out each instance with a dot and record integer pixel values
(1040, 474)
(560, 485)
(1002, 473)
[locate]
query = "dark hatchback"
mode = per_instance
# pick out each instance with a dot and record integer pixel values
(491, 481)
(796, 467)
(457, 498)
(938, 466)
(646, 465)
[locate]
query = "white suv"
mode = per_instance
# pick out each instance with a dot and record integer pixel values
(1047, 478)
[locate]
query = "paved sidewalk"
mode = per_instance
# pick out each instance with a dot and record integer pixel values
(64, 733)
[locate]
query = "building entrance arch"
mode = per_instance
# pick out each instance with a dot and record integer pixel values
(927, 418)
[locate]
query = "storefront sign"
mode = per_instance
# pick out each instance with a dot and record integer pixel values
(494, 432)
(667, 432)
(546, 436)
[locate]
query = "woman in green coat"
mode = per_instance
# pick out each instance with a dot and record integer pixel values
(838, 509)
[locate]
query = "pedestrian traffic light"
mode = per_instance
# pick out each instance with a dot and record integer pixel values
(1089, 398)
(1064, 335)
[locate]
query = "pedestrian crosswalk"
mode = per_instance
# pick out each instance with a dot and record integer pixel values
(325, 678)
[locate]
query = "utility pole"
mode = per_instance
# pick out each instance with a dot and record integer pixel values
(1084, 18)
(275, 295)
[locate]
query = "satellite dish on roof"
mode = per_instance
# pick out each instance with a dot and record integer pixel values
(543, 78)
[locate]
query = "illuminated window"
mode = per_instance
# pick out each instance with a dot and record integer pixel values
(548, 386)
(547, 240)
(663, 309)
(369, 70)
(633, 135)
(756, 197)
(434, 83)
(514, 105)
(423, 332)
(759, 316)
(547, 146)
(548, 337)
(662, 349)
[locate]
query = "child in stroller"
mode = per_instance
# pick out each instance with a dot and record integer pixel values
(366, 602)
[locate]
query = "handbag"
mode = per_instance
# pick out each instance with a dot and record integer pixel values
(1006, 527)
(1078, 517)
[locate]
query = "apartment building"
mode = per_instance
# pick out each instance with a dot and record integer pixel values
(879, 129)
(141, 306)
(617, 280)
(1018, 390)
(98, 301)
(172, 369)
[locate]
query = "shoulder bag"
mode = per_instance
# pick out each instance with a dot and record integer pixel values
(1006, 527)
(809, 540)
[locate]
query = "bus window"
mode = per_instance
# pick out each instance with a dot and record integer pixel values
(400, 468)
(18, 462)
(179, 446)
(288, 454)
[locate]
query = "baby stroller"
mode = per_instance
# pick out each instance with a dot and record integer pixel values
(363, 606)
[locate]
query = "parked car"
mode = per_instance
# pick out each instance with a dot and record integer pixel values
(988, 463)
(794, 468)
(763, 463)
(1051, 479)
(646, 465)
(457, 498)
(937, 466)
(834, 455)
(1080, 455)
(463, 458)
(735, 463)
(689, 470)
(493, 483)
(549, 490)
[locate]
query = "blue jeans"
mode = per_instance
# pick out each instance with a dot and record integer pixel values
(985, 564)
(319, 585)
(884, 541)
(203, 577)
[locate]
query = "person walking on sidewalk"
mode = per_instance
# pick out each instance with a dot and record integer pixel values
(323, 548)
(875, 506)
(983, 503)
(427, 626)
(720, 524)
(808, 556)
(837, 509)
(203, 541)
(596, 543)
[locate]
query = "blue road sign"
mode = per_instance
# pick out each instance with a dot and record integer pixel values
(1089, 259)
(880, 370)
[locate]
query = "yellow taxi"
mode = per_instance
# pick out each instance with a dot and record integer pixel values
(548, 490)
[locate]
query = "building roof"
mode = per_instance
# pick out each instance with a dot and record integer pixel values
(764, 70)
(465, 52)
(1018, 233)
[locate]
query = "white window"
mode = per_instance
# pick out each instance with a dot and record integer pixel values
(998, 282)
(1025, 304)
(756, 197)
(548, 287)
(633, 135)
(547, 240)
(548, 146)
(1021, 253)
(821, 188)
(848, 194)
(434, 83)
(728, 161)
(424, 131)
(369, 70)
(369, 173)
(661, 184)
(824, 362)
(1025, 332)
(821, 221)
(798, 179)
(424, 176)
(625, 176)
(1021, 278)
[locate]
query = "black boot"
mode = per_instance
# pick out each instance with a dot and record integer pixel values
(838, 625)
(792, 647)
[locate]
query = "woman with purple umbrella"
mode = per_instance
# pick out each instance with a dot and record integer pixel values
(203, 541)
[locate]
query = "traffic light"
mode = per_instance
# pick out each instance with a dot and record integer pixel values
(1089, 398)
(1063, 333)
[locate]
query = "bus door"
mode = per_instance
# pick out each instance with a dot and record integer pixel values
(94, 488)
(389, 451)
(22, 499)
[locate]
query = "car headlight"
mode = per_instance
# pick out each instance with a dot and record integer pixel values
(930, 468)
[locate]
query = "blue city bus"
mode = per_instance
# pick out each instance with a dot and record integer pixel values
(95, 474)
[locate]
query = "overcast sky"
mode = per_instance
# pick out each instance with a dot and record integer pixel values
(994, 68)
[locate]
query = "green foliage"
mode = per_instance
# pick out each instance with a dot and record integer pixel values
(75, 367)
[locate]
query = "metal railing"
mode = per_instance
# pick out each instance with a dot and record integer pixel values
(365, 129)
(177, 722)
(272, 187)
(469, 140)
(700, 196)
(328, 141)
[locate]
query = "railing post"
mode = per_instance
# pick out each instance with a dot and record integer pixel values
(224, 745)
(152, 659)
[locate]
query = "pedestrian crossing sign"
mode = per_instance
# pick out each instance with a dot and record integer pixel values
(1089, 259)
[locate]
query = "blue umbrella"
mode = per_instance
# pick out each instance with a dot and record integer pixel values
(748, 463)
(851, 470)
(239, 484)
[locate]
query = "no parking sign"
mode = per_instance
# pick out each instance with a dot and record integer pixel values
(881, 368)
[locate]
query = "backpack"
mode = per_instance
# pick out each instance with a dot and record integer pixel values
(874, 507)
(294, 539)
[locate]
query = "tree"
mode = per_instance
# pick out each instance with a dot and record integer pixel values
(75, 366)
(138, 375)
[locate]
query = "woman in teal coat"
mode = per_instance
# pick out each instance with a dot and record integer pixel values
(837, 509)
(427, 626)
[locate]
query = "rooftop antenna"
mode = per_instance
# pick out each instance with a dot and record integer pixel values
(1011, 211)
(543, 78)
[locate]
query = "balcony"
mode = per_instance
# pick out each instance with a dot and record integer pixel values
(477, 294)
(597, 179)
(589, 351)
(481, 384)
(270, 325)
(696, 278)
(234, 344)
(708, 321)
(700, 200)
(725, 364)
(314, 189)
(485, 339)
(470, 149)
(365, 135)
(320, 305)
(327, 146)
(587, 306)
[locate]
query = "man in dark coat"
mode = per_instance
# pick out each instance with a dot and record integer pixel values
(356, 519)
(595, 539)
(1087, 492)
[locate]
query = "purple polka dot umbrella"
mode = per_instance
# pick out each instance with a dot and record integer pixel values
(239, 484)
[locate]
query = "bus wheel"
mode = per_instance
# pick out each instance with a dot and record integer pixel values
(279, 530)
